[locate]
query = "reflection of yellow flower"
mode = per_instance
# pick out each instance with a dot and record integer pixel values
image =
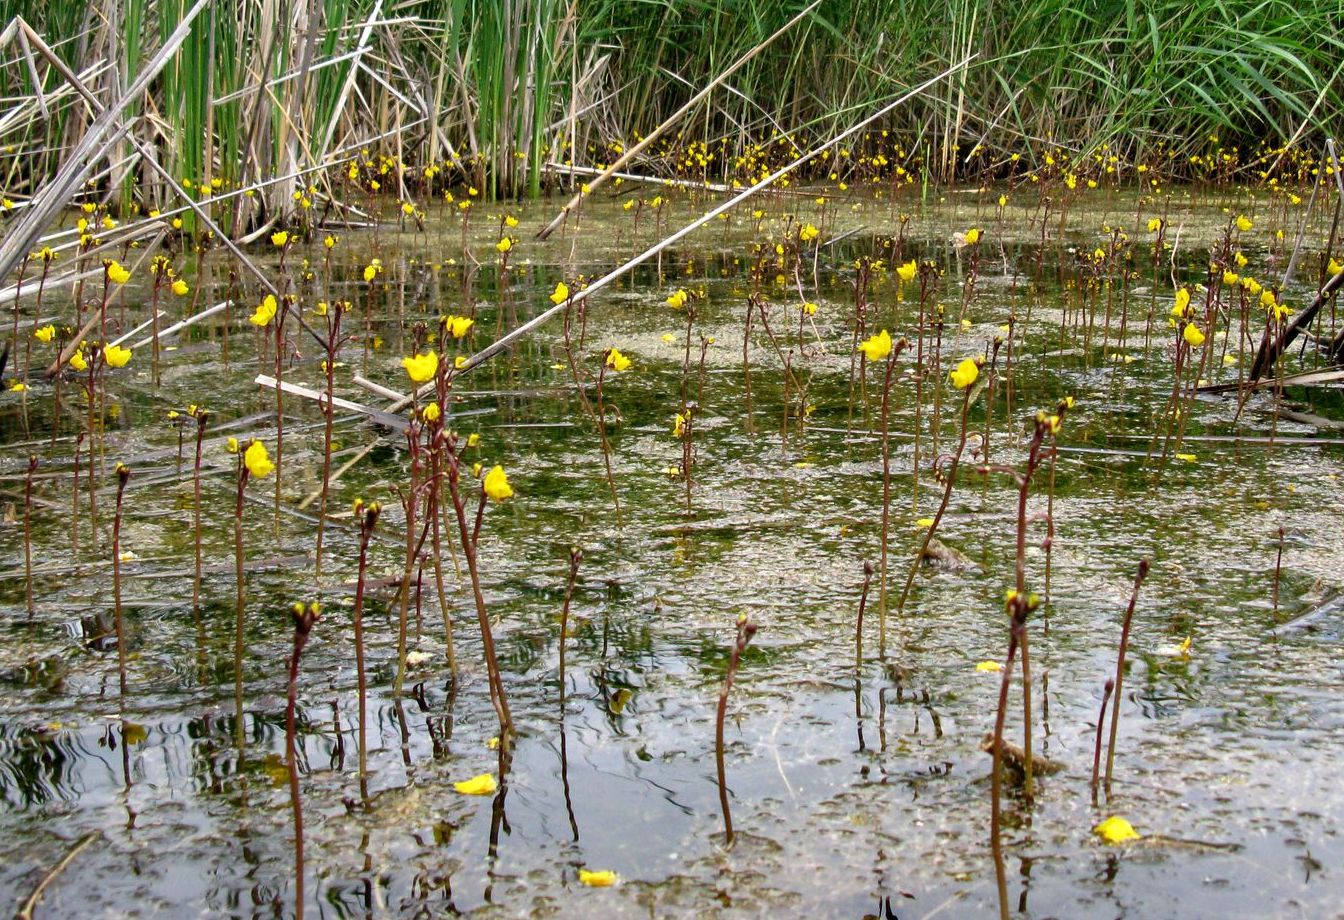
(1115, 830)
(602, 878)
(617, 361)
(477, 785)
(421, 368)
(876, 347)
(45, 334)
(496, 484)
(256, 459)
(964, 374)
(116, 356)
(77, 361)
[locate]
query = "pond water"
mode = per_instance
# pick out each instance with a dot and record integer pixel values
(855, 790)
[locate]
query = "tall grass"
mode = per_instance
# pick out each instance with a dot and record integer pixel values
(492, 89)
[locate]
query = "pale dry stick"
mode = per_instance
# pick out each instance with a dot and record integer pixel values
(541, 319)
(92, 146)
(26, 911)
(634, 177)
(670, 121)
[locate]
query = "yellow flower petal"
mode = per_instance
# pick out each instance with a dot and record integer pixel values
(1115, 830)
(601, 878)
(478, 785)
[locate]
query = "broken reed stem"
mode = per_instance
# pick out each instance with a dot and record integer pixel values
(1101, 727)
(1120, 670)
(745, 631)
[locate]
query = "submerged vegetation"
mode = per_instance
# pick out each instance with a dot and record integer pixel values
(374, 448)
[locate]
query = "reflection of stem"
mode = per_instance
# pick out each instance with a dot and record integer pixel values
(606, 444)
(858, 625)
(745, 631)
(201, 416)
(404, 595)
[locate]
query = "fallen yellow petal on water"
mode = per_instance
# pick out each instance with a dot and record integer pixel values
(602, 878)
(478, 785)
(924, 522)
(989, 666)
(1188, 458)
(1115, 830)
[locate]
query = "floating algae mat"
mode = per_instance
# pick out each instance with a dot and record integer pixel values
(728, 479)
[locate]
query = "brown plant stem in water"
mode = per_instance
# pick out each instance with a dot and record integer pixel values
(1120, 669)
(745, 631)
(304, 618)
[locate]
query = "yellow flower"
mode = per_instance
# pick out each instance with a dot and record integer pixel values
(1003, 201)
(510, 221)
(876, 347)
(116, 356)
(496, 484)
(265, 312)
(421, 368)
(116, 274)
(809, 308)
(1335, 267)
(1155, 225)
(1115, 830)
(370, 272)
(560, 294)
(473, 439)
(1240, 259)
(280, 238)
(677, 300)
(679, 424)
(602, 878)
(407, 208)
(329, 241)
(458, 325)
(77, 361)
(45, 334)
(1244, 223)
(460, 362)
(18, 386)
(906, 272)
(504, 245)
(1230, 277)
(180, 288)
(1182, 304)
(231, 445)
(972, 236)
(257, 461)
(989, 666)
(1192, 335)
(478, 785)
(617, 361)
(808, 233)
(964, 374)
(430, 413)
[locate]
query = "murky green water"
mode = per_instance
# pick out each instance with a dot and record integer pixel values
(854, 790)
